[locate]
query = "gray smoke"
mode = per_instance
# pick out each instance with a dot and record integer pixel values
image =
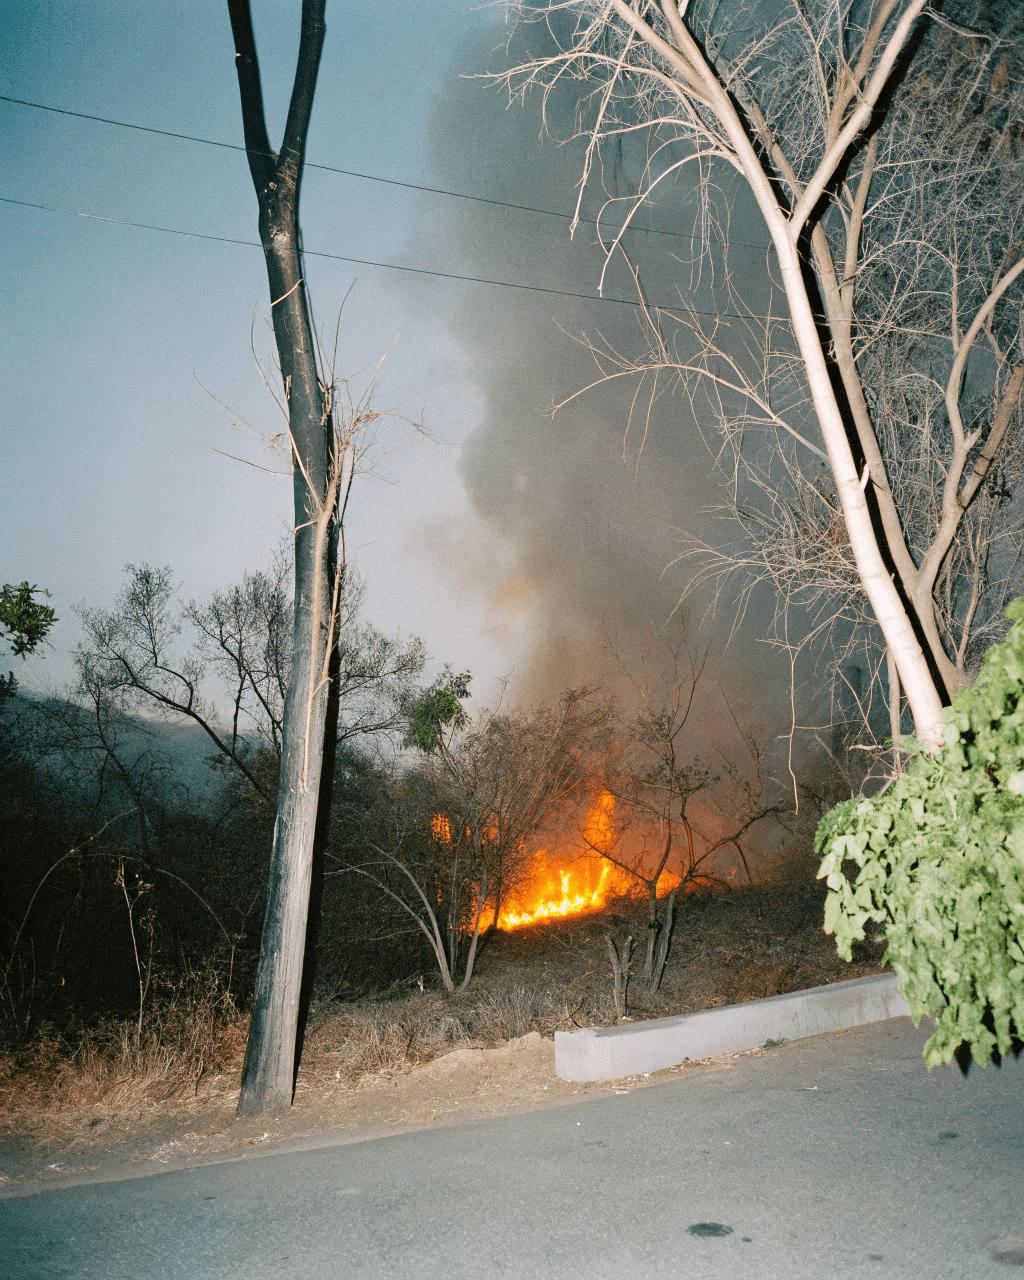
(590, 517)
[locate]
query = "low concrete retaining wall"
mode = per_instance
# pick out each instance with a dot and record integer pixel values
(608, 1053)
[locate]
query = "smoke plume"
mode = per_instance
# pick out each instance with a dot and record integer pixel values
(584, 513)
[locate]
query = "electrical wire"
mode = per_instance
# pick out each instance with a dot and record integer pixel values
(366, 177)
(367, 262)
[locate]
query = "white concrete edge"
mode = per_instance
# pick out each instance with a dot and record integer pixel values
(609, 1053)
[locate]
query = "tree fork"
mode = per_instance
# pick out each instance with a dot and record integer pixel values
(269, 1072)
(697, 79)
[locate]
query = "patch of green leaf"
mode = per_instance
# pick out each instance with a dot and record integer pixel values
(938, 860)
(439, 709)
(23, 622)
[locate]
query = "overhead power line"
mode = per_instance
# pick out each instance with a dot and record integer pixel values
(366, 177)
(368, 262)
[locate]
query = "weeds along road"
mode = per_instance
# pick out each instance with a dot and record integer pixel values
(829, 1158)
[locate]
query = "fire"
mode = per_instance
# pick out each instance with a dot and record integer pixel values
(577, 882)
(570, 902)
(584, 885)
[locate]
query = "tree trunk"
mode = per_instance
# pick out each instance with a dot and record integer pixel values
(666, 938)
(620, 973)
(453, 930)
(652, 930)
(323, 829)
(785, 222)
(471, 957)
(269, 1071)
(499, 893)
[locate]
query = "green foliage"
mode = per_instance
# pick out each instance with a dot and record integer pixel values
(438, 709)
(939, 861)
(23, 623)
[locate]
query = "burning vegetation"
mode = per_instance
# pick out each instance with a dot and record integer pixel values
(522, 818)
(578, 882)
(493, 836)
(544, 903)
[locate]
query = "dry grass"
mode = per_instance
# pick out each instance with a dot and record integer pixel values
(196, 1044)
(727, 948)
(379, 1036)
(189, 1031)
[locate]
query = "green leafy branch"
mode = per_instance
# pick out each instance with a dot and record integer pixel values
(24, 623)
(439, 709)
(938, 859)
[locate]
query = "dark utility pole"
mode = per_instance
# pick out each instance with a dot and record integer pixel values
(269, 1072)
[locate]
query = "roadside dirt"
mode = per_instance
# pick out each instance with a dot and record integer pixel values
(417, 1057)
(461, 1086)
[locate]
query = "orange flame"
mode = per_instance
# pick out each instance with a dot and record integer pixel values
(584, 885)
(575, 883)
(565, 901)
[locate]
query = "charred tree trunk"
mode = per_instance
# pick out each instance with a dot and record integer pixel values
(499, 893)
(666, 939)
(621, 963)
(269, 1071)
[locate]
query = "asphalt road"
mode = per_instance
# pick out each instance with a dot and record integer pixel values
(829, 1158)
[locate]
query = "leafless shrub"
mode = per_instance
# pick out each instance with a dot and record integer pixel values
(455, 836)
(664, 810)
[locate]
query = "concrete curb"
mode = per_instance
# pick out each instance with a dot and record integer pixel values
(609, 1053)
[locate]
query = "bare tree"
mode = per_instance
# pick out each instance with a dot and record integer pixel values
(930, 341)
(130, 658)
(664, 809)
(423, 848)
(244, 634)
(322, 470)
(427, 863)
(463, 824)
(150, 654)
(520, 773)
(892, 201)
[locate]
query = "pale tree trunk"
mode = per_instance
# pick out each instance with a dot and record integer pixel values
(269, 1071)
(467, 977)
(697, 80)
(895, 709)
(666, 938)
(873, 172)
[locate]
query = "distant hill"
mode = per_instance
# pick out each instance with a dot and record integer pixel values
(181, 745)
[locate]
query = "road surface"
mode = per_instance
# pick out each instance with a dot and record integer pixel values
(829, 1158)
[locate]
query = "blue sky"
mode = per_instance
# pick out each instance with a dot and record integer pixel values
(109, 436)
(511, 542)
